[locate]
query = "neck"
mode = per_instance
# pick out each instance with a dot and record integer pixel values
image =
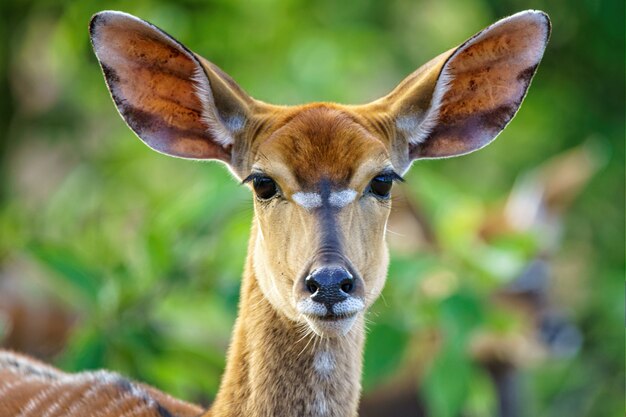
(274, 368)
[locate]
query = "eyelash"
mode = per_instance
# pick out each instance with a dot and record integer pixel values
(390, 175)
(257, 179)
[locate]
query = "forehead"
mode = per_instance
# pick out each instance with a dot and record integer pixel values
(323, 143)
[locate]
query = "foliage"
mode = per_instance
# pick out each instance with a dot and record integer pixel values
(148, 250)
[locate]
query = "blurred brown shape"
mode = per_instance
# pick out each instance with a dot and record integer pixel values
(37, 326)
(542, 196)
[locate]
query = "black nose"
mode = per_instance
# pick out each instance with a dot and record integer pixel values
(330, 285)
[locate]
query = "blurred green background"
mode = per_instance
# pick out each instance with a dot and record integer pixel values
(114, 256)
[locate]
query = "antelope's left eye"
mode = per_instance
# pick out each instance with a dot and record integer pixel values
(380, 186)
(264, 187)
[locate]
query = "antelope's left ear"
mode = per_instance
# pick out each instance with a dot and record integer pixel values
(460, 101)
(177, 102)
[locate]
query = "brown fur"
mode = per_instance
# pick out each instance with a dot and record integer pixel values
(29, 388)
(283, 359)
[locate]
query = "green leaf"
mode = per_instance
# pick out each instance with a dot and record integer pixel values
(86, 350)
(461, 313)
(383, 352)
(69, 267)
(446, 386)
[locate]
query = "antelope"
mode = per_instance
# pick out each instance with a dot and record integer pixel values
(321, 175)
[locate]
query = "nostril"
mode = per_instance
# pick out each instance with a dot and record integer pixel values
(312, 285)
(347, 285)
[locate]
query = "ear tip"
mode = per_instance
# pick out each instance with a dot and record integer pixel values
(547, 23)
(106, 17)
(536, 17)
(541, 18)
(534, 25)
(532, 14)
(96, 20)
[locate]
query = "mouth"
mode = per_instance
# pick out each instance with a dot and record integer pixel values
(334, 317)
(331, 321)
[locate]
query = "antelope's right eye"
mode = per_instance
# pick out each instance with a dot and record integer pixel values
(381, 186)
(264, 187)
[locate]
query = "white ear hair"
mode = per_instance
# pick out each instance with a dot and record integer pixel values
(417, 130)
(222, 130)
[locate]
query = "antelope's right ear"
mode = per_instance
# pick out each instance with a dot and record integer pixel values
(460, 101)
(176, 102)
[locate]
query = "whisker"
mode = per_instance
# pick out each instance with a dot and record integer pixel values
(395, 233)
(307, 344)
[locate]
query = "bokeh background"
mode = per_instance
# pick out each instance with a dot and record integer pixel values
(507, 274)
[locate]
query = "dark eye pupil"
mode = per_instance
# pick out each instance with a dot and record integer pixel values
(264, 187)
(381, 186)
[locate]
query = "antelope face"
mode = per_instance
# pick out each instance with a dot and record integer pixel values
(322, 183)
(321, 173)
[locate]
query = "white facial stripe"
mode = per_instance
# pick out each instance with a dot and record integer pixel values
(337, 199)
(308, 200)
(342, 198)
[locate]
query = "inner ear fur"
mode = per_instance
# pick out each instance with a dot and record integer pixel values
(175, 101)
(461, 100)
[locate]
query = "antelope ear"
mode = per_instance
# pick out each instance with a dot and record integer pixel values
(176, 102)
(460, 101)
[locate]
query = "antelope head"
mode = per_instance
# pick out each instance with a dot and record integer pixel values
(321, 173)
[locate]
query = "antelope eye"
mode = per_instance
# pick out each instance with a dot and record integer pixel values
(264, 187)
(381, 186)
